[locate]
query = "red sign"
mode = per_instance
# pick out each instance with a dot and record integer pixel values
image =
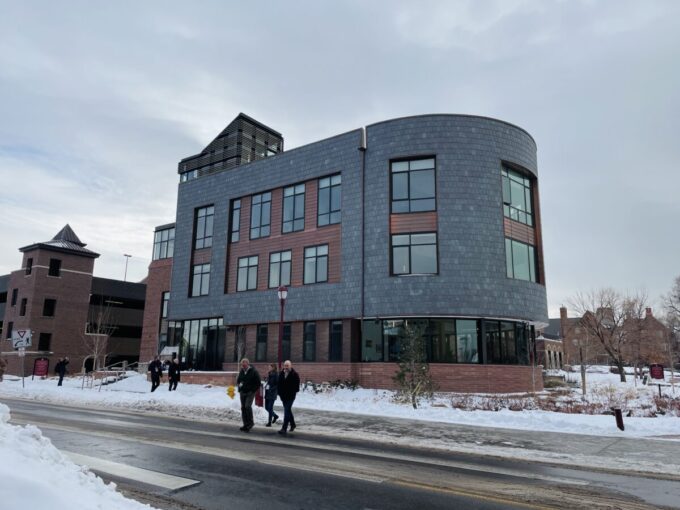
(41, 367)
(656, 371)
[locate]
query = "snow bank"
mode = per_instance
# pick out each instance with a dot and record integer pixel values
(34, 474)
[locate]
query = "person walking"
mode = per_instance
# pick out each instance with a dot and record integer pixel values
(156, 370)
(248, 382)
(289, 385)
(173, 374)
(60, 369)
(3, 367)
(270, 394)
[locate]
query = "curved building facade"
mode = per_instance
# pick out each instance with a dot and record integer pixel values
(431, 221)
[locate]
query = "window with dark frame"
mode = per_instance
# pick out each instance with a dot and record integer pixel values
(10, 327)
(517, 199)
(285, 343)
(165, 300)
(260, 215)
(15, 295)
(200, 283)
(316, 264)
(413, 185)
(22, 308)
(235, 221)
(49, 307)
(335, 341)
(55, 267)
(44, 341)
(204, 227)
(246, 278)
(309, 342)
(29, 266)
(414, 254)
(261, 343)
(163, 243)
(520, 260)
(329, 201)
(293, 208)
(279, 268)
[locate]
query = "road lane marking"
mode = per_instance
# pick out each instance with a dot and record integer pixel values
(119, 470)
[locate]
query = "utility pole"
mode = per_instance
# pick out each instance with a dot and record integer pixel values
(127, 257)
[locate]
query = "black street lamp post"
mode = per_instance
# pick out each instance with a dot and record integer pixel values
(283, 294)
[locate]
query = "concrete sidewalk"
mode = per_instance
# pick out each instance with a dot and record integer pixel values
(659, 456)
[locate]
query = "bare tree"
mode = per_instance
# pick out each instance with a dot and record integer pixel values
(413, 377)
(672, 322)
(583, 346)
(637, 345)
(98, 330)
(604, 313)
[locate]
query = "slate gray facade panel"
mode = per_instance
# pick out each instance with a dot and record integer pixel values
(471, 280)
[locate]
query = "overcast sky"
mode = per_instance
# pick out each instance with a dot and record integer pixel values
(100, 100)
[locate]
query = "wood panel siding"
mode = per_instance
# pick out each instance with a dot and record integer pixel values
(413, 222)
(276, 241)
(519, 231)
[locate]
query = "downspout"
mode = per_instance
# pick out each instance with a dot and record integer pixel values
(362, 149)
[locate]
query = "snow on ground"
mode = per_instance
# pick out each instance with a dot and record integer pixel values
(47, 479)
(212, 403)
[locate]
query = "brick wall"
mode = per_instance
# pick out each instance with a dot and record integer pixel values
(157, 282)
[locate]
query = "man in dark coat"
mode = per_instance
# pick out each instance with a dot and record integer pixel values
(248, 382)
(271, 391)
(289, 385)
(173, 374)
(60, 369)
(156, 370)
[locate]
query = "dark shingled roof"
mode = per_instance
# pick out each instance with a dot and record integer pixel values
(65, 241)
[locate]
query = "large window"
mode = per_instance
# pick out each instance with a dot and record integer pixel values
(22, 308)
(204, 227)
(10, 327)
(520, 260)
(517, 196)
(446, 340)
(309, 342)
(235, 221)
(261, 344)
(49, 307)
(29, 266)
(316, 264)
(293, 208)
(335, 341)
(247, 273)
(414, 254)
(413, 185)
(279, 268)
(200, 285)
(260, 215)
(330, 199)
(55, 267)
(15, 295)
(506, 343)
(163, 243)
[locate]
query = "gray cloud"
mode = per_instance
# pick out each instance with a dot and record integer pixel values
(99, 102)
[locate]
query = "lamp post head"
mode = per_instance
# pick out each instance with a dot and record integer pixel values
(283, 293)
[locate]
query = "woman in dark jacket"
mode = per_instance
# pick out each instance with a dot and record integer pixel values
(270, 393)
(173, 374)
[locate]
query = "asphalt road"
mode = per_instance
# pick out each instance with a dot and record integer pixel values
(216, 466)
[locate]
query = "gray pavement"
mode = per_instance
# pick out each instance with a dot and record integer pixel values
(644, 455)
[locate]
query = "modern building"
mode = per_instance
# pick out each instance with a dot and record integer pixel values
(430, 221)
(69, 311)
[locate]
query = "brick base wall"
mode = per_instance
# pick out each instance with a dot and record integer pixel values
(456, 378)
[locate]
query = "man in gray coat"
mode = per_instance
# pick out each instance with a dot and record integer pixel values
(248, 383)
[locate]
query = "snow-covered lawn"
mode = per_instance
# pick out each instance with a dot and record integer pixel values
(46, 478)
(212, 403)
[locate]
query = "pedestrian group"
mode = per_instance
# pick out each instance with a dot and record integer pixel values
(285, 385)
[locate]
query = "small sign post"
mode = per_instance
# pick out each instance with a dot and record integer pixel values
(40, 367)
(656, 372)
